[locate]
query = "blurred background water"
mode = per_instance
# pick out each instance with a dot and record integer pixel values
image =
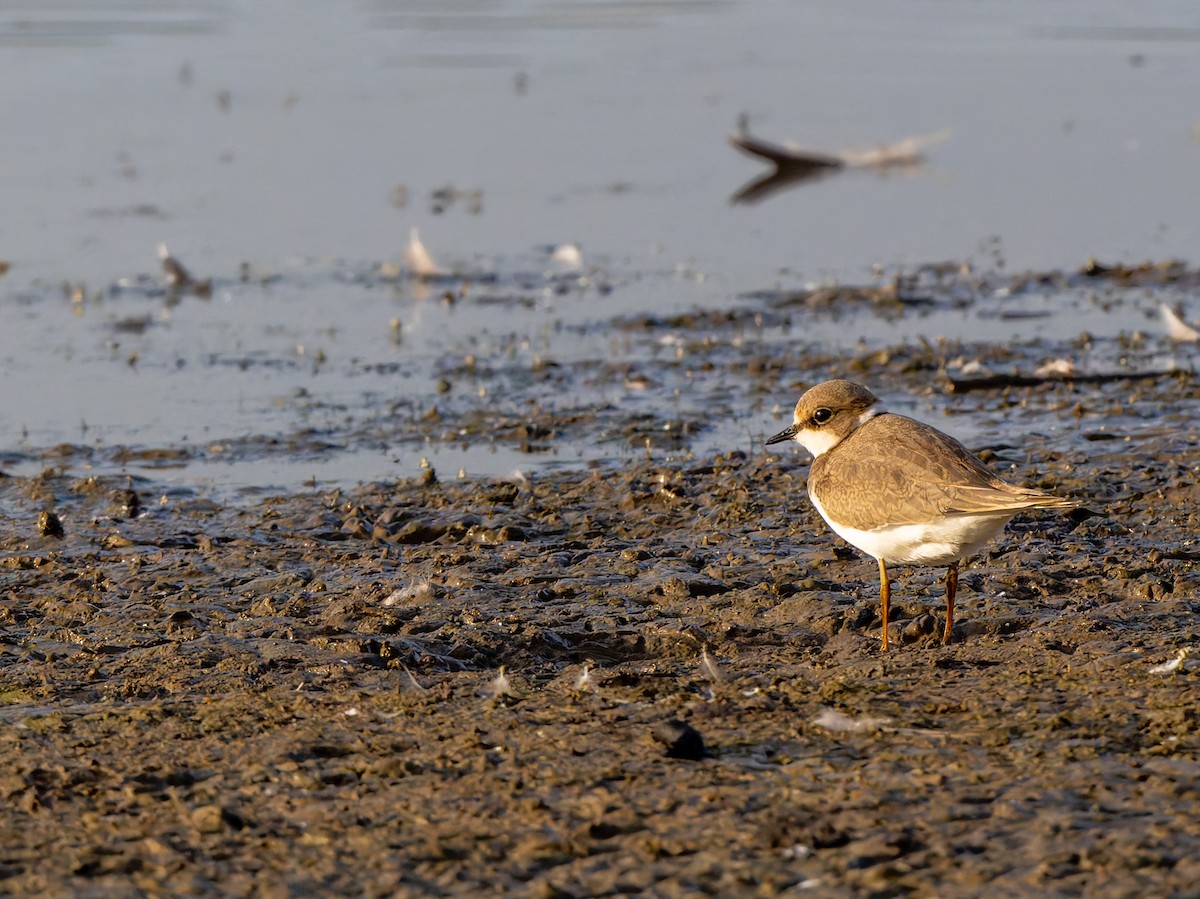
(306, 139)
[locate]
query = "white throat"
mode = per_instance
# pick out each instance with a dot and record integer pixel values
(819, 442)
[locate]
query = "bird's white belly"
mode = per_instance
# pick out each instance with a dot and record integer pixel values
(937, 542)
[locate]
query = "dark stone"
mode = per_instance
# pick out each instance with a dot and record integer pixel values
(681, 739)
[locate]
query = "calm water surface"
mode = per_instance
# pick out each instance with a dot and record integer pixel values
(305, 140)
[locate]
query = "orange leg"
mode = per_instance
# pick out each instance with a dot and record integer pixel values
(951, 589)
(885, 595)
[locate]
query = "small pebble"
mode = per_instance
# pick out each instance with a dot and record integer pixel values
(49, 525)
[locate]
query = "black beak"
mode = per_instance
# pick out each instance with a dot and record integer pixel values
(785, 434)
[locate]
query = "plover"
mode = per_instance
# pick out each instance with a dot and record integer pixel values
(900, 490)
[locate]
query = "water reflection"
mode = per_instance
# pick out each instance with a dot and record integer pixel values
(53, 24)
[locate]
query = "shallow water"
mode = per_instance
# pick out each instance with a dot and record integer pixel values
(306, 146)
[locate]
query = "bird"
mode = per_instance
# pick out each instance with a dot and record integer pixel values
(900, 490)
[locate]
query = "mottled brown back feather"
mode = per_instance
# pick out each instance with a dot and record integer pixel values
(893, 470)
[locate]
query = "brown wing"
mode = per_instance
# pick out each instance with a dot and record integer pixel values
(893, 470)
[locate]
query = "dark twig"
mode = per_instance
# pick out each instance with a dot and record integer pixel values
(999, 382)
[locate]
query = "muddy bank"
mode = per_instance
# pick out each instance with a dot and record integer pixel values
(434, 687)
(332, 374)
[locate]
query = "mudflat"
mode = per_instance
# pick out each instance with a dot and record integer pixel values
(661, 677)
(608, 648)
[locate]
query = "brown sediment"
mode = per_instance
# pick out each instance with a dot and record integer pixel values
(301, 694)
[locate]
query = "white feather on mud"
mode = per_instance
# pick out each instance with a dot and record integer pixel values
(177, 274)
(414, 593)
(499, 686)
(585, 682)
(412, 680)
(709, 668)
(1178, 330)
(1055, 368)
(840, 722)
(567, 257)
(417, 259)
(1181, 660)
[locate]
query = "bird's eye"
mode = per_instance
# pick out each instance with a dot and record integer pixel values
(822, 415)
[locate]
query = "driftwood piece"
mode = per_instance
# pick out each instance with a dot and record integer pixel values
(793, 165)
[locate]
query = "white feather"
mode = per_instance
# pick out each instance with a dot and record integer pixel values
(1177, 329)
(417, 258)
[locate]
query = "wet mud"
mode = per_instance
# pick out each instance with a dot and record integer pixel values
(512, 368)
(659, 677)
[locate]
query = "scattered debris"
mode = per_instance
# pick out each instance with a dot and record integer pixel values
(1055, 368)
(840, 722)
(585, 682)
(896, 293)
(681, 739)
(709, 668)
(1181, 660)
(49, 524)
(418, 592)
(972, 368)
(178, 277)
(418, 261)
(1167, 271)
(794, 165)
(1178, 331)
(445, 197)
(567, 257)
(500, 687)
(1001, 381)
(412, 680)
(903, 154)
